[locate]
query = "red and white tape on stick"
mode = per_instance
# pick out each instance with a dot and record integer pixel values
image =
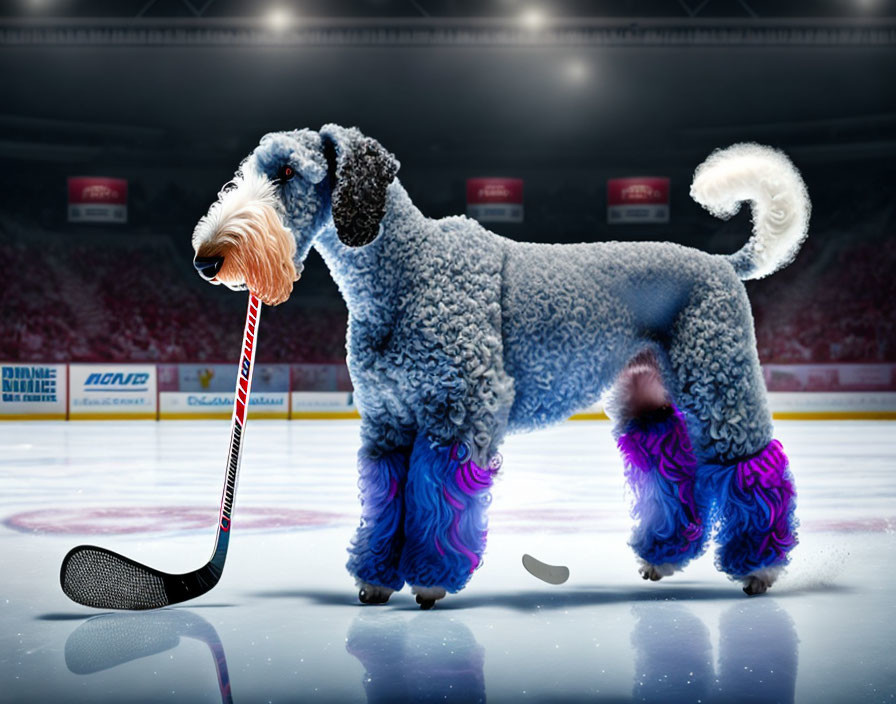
(240, 408)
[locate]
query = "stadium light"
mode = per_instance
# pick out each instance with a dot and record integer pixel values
(279, 18)
(532, 18)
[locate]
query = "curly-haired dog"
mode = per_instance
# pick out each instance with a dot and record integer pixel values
(458, 336)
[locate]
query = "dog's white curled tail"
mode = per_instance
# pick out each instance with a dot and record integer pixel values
(780, 203)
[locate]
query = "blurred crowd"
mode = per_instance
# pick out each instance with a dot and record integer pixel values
(837, 306)
(123, 297)
(89, 301)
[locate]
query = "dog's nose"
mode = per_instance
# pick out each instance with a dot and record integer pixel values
(208, 267)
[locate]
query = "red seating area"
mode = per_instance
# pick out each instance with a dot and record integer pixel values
(125, 298)
(135, 301)
(834, 306)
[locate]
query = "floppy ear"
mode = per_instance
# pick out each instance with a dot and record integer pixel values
(360, 169)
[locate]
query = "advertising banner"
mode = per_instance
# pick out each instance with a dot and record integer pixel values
(221, 378)
(637, 200)
(320, 391)
(320, 377)
(206, 391)
(37, 391)
(833, 404)
(113, 391)
(174, 405)
(495, 199)
(97, 199)
(323, 404)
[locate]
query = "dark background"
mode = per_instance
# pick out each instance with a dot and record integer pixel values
(171, 95)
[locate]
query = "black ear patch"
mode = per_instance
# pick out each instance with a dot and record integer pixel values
(360, 169)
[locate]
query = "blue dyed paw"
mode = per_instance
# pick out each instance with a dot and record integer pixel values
(756, 503)
(661, 469)
(377, 544)
(445, 523)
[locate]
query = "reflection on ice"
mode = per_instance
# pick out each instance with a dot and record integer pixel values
(431, 657)
(113, 639)
(434, 656)
(673, 656)
(758, 654)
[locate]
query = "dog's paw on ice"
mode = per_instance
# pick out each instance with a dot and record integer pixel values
(655, 572)
(759, 582)
(373, 594)
(428, 596)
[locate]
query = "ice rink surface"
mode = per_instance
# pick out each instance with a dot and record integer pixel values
(284, 624)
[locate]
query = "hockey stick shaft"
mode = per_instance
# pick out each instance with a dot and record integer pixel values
(237, 429)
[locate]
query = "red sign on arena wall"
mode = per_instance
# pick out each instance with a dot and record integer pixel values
(638, 200)
(495, 199)
(97, 199)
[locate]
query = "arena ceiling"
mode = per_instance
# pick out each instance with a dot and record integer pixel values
(449, 8)
(442, 82)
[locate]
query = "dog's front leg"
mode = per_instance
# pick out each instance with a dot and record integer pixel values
(445, 524)
(376, 547)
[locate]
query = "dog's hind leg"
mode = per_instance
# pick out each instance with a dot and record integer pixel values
(445, 522)
(376, 547)
(741, 470)
(661, 470)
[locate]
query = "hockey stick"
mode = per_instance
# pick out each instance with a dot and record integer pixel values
(98, 577)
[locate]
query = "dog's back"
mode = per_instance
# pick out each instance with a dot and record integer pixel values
(573, 315)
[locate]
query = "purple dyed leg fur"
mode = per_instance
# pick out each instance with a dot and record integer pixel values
(445, 523)
(376, 547)
(756, 500)
(662, 470)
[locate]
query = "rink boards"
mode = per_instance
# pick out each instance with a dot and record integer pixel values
(33, 391)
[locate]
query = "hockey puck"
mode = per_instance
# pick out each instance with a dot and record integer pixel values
(552, 574)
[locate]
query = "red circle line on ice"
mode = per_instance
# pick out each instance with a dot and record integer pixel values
(120, 520)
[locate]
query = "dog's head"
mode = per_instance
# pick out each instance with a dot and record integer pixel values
(290, 188)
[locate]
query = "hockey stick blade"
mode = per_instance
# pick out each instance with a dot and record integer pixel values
(95, 576)
(98, 577)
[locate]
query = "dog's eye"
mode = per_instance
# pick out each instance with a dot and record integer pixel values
(285, 172)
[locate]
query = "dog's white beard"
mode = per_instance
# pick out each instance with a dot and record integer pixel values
(245, 228)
